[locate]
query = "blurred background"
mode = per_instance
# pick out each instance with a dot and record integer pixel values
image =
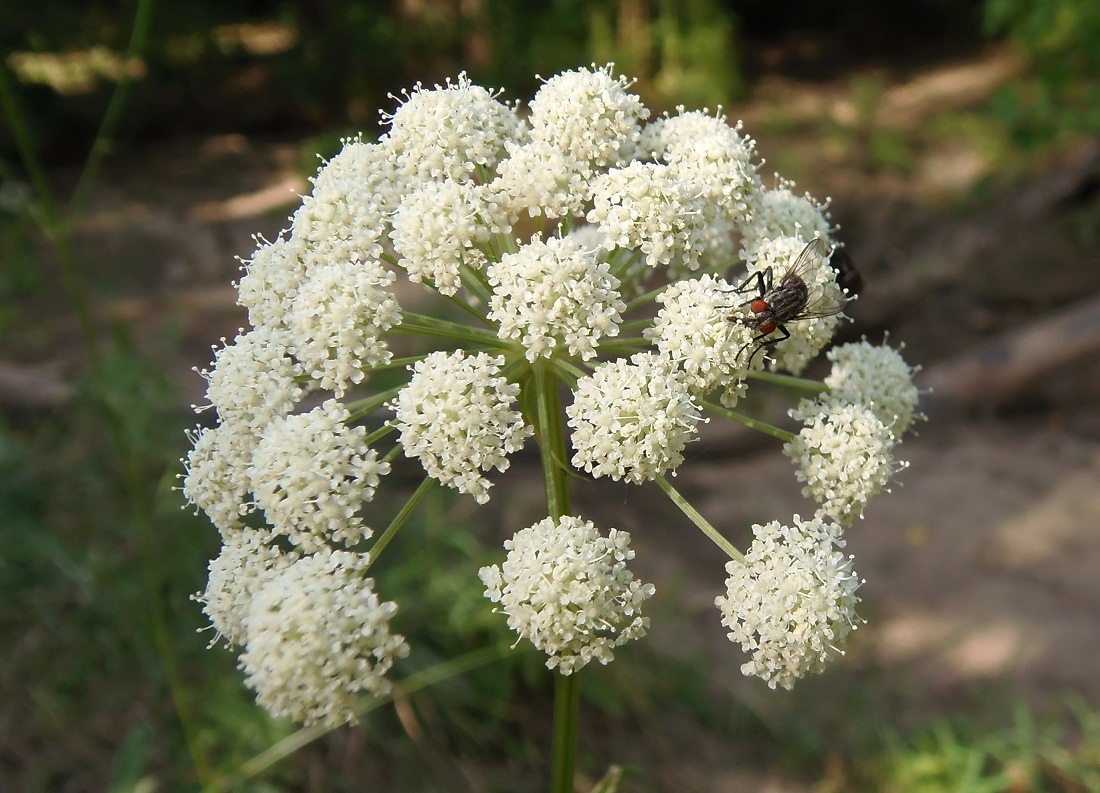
(144, 144)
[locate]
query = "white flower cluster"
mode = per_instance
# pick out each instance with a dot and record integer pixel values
(443, 226)
(589, 116)
(877, 376)
(318, 637)
(311, 473)
(694, 330)
(566, 589)
(253, 379)
(554, 290)
(448, 133)
(216, 479)
(616, 214)
(845, 450)
(247, 560)
(712, 158)
(646, 206)
(844, 455)
(456, 417)
(631, 419)
(337, 321)
(781, 213)
(791, 602)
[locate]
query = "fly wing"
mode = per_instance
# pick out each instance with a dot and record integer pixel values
(823, 303)
(825, 299)
(808, 264)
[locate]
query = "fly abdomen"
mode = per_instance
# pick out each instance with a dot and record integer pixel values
(788, 299)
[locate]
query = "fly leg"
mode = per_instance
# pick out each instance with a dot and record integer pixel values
(763, 283)
(763, 341)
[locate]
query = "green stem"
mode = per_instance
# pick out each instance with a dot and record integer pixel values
(24, 144)
(473, 312)
(50, 221)
(620, 265)
(567, 701)
(635, 325)
(751, 423)
(788, 381)
(55, 225)
(379, 433)
(648, 297)
(366, 406)
(393, 453)
(477, 285)
(399, 520)
(432, 326)
(551, 434)
(627, 346)
(569, 372)
(394, 363)
(704, 525)
(139, 33)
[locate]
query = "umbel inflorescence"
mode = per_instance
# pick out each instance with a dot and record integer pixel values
(573, 242)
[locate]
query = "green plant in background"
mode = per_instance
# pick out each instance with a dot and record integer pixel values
(682, 53)
(542, 234)
(1028, 755)
(1060, 95)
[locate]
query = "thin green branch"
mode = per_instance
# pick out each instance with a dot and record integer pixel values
(424, 679)
(432, 326)
(635, 325)
(569, 372)
(704, 525)
(399, 520)
(395, 363)
(379, 434)
(648, 297)
(789, 381)
(619, 269)
(101, 147)
(620, 346)
(477, 285)
(392, 454)
(551, 437)
(751, 423)
(364, 407)
(24, 144)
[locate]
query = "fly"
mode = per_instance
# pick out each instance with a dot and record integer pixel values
(789, 300)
